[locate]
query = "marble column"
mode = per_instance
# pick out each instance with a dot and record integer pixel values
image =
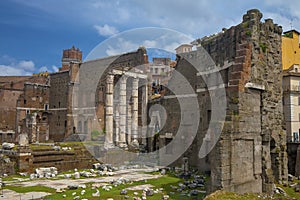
(123, 113)
(129, 121)
(33, 128)
(135, 114)
(144, 112)
(117, 121)
(109, 111)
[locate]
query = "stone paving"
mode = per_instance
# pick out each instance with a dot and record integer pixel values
(140, 187)
(131, 174)
(12, 195)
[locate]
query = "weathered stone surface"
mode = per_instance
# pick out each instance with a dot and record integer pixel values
(123, 192)
(8, 146)
(251, 151)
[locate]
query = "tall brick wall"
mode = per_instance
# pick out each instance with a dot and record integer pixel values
(14, 92)
(58, 103)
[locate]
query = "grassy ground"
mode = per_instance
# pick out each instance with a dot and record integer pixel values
(231, 196)
(14, 177)
(19, 189)
(291, 195)
(164, 182)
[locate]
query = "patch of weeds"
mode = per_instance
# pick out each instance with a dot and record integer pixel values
(263, 47)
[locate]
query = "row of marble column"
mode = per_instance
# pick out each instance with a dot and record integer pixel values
(124, 114)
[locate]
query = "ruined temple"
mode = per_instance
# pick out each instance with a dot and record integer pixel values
(250, 154)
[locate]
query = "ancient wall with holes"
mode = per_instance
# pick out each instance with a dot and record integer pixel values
(251, 151)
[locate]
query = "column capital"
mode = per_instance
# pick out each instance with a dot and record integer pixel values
(110, 78)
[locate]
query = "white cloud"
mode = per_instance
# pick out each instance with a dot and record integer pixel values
(27, 65)
(129, 41)
(106, 30)
(11, 67)
(150, 43)
(197, 18)
(43, 69)
(6, 70)
(122, 46)
(54, 68)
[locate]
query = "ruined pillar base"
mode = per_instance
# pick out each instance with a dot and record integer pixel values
(135, 144)
(108, 145)
(123, 145)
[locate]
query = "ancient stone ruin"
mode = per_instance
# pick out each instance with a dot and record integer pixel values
(250, 154)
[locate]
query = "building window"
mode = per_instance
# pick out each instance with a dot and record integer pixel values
(295, 137)
(156, 70)
(25, 101)
(46, 106)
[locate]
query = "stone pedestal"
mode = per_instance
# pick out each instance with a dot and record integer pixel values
(24, 159)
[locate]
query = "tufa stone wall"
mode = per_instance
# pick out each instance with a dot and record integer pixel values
(254, 125)
(250, 154)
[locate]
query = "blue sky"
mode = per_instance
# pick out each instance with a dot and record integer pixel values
(34, 32)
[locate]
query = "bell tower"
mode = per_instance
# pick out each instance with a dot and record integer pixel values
(73, 55)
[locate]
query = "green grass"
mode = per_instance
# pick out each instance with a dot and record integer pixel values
(162, 182)
(14, 177)
(35, 147)
(291, 192)
(231, 196)
(22, 189)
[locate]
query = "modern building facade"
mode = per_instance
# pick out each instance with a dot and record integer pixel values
(291, 84)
